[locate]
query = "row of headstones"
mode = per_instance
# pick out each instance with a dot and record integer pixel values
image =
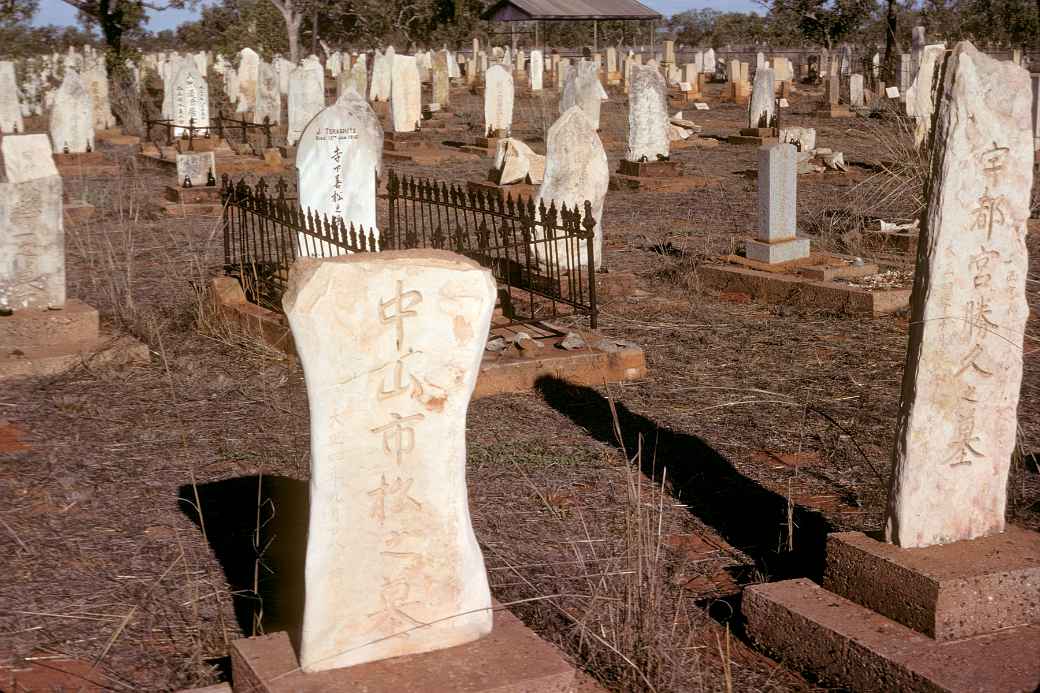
(425, 586)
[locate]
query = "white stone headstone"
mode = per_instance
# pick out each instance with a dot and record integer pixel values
(380, 87)
(856, 90)
(391, 345)
(72, 116)
(306, 98)
(338, 160)
(583, 88)
(190, 95)
(919, 96)
(32, 234)
(441, 79)
(515, 162)
(10, 108)
(777, 207)
(405, 94)
(762, 105)
(196, 167)
(576, 171)
(248, 74)
(498, 100)
(95, 79)
(709, 61)
(268, 95)
(647, 115)
(537, 70)
(957, 422)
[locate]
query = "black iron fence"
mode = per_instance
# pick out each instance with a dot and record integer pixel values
(164, 132)
(543, 258)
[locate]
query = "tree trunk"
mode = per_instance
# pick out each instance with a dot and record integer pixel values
(314, 34)
(126, 100)
(292, 28)
(888, 70)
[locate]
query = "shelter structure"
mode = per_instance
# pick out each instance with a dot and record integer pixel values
(538, 11)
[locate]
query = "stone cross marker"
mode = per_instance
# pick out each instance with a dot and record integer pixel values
(72, 116)
(576, 171)
(777, 207)
(32, 234)
(196, 167)
(393, 566)
(306, 97)
(647, 115)
(498, 100)
(337, 161)
(957, 415)
(405, 94)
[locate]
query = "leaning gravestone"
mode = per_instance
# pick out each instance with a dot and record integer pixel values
(306, 97)
(957, 417)
(405, 94)
(498, 100)
(10, 109)
(647, 115)
(390, 370)
(32, 234)
(190, 99)
(268, 95)
(338, 160)
(576, 172)
(197, 168)
(72, 116)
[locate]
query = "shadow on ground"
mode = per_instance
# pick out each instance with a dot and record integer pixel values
(264, 567)
(749, 516)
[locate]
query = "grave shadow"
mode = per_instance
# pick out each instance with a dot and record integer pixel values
(264, 570)
(746, 514)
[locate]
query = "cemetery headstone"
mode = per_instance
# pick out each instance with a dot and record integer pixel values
(10, 108)
(777, 207)
(197, 168)
(957, 417)
(72, 116)
(338, 159)
(306, 98)
(498, 100)
(405, 94)
(390, 370)
(647, 116)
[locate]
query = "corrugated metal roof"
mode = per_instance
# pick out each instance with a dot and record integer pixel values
(524, 10)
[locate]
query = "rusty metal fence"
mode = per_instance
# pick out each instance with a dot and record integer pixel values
(543, 258)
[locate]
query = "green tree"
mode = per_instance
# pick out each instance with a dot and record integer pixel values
(824, 22)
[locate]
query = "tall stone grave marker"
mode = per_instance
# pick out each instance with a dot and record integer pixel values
(248, 74)
(441, 79)
(498, 100)
(268, 95)
(856, 91)
(762, 106)
(338, 160)
(584, 89)
(380, 77)
(647, 115)
(957, 417)
(537, 70)
(405, 94)
(32, 234)
(777, 207)
(10, 109)
(72, 116)
(306, 97)
(190, 98)
(576, 171)
(390, 370)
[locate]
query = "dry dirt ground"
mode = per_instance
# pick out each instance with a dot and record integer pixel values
(130, 497)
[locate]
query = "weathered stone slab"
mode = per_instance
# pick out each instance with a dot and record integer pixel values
(405, 94)
(32, 232)
(306, 98)
(10, 108)
(190, 95)
(777, 207)
(196, 167)
(268, 95)
(498, 100)
(390, 370)
(647, 115)
(762, 107)
(957, 418)
(72, 117)
(576, 171)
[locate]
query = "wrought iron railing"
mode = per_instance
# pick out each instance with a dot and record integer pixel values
(543, 258)
(164, 132)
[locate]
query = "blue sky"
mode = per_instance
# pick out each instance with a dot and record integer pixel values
(57, 12)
